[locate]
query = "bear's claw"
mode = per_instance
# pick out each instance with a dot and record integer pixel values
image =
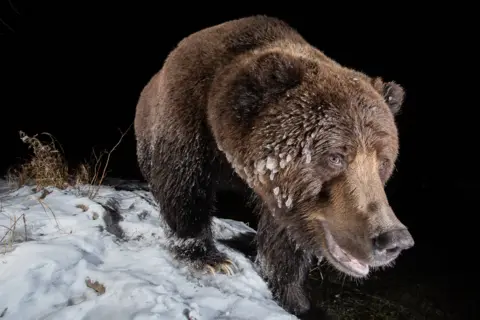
(226, 267)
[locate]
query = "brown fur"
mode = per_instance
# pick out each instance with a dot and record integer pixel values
(249, 105)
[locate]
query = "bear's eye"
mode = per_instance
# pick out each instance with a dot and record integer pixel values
(384, 163)
(383, 167)
(335, 160)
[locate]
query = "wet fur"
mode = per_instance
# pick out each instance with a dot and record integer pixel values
(215, 118)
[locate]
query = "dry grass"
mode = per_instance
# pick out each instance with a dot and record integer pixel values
(14, 232)
(82, 174)
(47, 167)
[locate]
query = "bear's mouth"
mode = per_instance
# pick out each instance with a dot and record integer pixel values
(341, 259)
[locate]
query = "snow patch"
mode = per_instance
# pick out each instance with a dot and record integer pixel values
(43, 273)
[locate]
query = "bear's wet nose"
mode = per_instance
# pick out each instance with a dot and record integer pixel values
(393, 241)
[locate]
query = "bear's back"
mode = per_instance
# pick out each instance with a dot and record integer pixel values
(178, 93)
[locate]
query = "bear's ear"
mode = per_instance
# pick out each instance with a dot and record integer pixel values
(393, 93)
(262, 80)
(276, 72)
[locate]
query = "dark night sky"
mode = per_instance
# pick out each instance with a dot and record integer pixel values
(77, 71)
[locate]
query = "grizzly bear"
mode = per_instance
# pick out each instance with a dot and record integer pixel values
(250, 106)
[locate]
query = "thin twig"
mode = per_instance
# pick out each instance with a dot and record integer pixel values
(9, 28)
(25, 226)
(13, 7)
(110, 153)
(11, 229)
(102, 177)
(6, 233)
(53, 213)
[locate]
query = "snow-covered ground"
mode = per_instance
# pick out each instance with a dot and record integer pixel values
(44, 274)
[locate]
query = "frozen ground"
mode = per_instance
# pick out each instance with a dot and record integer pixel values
(45, 273)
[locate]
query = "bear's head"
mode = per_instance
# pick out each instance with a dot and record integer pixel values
(317, 142)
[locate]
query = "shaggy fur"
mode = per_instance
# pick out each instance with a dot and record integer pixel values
(250, 106)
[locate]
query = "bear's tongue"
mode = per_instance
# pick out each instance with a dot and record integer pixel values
(344, 258)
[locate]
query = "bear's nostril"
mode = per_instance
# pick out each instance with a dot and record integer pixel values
(382, 242)
(393, 241)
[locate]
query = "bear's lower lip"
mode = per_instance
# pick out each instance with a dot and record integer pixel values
(342, 259)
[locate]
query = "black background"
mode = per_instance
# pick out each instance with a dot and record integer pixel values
(76, 71)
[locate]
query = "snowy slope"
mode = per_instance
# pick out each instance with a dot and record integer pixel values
(67, 242)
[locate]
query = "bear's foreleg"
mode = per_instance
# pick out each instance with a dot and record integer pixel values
(284, 267)
(182, 181)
